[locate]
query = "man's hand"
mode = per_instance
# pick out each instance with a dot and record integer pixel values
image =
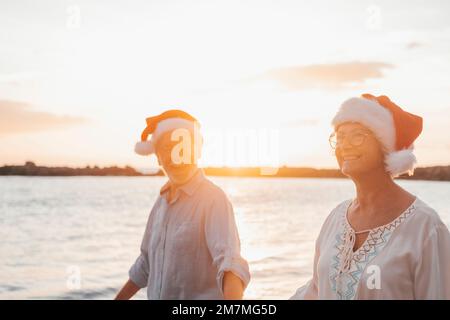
(233, 288)
(127, 291)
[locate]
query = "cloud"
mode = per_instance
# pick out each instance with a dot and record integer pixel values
(310, 122)
(327, 75)
(16, 78)
(413, 45)
(18, 117)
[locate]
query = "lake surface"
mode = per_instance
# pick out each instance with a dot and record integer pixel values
(76, 237)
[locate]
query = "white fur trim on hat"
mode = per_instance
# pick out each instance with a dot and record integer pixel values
(170, 125)
(399, 162)
(145, 148)
(371, 115)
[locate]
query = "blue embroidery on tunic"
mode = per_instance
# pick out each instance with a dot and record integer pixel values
(345, 284)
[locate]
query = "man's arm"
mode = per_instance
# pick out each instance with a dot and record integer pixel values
(233, 288)
(127, 291)
(222, 239)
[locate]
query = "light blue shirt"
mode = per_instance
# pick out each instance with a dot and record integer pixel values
(189, 243)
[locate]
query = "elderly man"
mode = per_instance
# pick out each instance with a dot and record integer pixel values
(191, 246)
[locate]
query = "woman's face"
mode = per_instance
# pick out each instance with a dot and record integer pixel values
(357, 150)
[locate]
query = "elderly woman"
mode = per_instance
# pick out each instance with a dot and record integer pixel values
(385, 243)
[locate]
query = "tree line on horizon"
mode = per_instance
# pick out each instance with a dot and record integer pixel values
(435, 173)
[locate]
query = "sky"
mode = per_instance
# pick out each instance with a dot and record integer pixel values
(78, 78)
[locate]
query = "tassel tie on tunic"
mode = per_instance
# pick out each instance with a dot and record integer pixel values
(347, 251)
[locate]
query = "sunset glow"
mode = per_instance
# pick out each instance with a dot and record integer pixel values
(78, 79)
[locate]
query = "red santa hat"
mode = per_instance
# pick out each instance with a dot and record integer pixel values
(167, 121)
(395, 128)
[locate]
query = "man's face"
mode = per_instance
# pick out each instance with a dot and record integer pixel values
(172, 157)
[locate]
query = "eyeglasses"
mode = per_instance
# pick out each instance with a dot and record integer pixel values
(355, 139)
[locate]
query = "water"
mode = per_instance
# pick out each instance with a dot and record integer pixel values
(76, 237)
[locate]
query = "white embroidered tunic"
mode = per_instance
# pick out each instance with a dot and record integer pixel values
(408, 258)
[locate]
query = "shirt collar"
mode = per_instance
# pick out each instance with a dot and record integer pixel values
(189, 187)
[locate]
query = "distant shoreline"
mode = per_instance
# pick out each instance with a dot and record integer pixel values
(436, 173)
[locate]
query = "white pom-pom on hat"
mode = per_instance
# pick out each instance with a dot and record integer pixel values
(144, 148)
(400, 162)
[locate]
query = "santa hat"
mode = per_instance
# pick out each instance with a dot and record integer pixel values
(395, 128)
(167, 121)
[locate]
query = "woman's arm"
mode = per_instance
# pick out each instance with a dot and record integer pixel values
(432, 275)
(128, 291)
(233, 288)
